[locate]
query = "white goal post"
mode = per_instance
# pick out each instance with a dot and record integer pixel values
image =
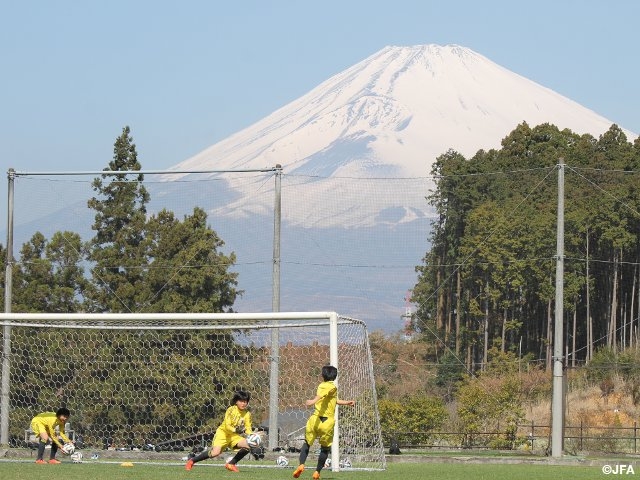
(162, 381)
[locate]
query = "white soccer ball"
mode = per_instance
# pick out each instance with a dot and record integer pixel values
(254, 440)
(345, 463)
(76, 457)
(282, 461)
(68, 448)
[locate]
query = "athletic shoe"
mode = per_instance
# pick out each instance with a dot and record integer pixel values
(54, 461)
(189, 464)
(40, 461)
(231, 467)
(298, 471)
(316, 476)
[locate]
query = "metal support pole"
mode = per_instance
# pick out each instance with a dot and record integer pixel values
(277, 221)
(275, 307)
(6, 330)
(557, 403)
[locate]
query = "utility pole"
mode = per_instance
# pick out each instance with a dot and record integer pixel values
(557, 402)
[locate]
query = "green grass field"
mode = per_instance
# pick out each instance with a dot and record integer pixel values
(27, 470)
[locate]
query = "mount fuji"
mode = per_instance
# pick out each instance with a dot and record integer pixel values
(390, 116)
(356, 154)
(398, 109)
(350, 245)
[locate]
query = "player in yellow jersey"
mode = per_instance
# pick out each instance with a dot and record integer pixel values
(322, 420)
(44, 426)
(231, 433)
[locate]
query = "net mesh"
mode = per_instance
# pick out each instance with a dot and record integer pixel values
(347, 244)
(164, 385)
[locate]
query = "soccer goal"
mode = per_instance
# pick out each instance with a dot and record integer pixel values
(162, 382)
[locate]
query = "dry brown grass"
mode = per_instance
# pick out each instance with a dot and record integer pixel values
(399, 367)
(402, 370)
(589, 407)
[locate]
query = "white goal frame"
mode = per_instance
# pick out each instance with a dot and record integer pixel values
(255, 322)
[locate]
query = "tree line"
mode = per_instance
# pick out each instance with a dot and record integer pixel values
(487, 281)
(137, 263)
(485, 288)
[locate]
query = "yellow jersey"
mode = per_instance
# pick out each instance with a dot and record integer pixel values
(326, 406)
(234, 418)
(48, 422)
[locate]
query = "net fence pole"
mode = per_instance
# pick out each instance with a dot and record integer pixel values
(277, 221)
(6, 330)
(274, 376)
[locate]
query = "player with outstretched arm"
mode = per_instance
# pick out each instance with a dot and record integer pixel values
(231, 433)
(322, 420)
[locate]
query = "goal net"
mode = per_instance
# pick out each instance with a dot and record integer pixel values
(162, 382)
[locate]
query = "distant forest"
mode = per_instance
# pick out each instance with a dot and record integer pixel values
(487, 283)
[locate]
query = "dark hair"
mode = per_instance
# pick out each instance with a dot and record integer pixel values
(240, 395)
(329, 372)
(63, 411)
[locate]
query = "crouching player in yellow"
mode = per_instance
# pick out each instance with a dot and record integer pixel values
(231, 433)
(44, 426)
(321, 422)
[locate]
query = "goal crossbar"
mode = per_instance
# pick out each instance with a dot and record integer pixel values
(265, 350)
(169, 321)
(172, 316)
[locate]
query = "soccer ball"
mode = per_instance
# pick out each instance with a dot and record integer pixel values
(76, 457)
(254, 440)
(282, 461)
(327, 463)
(68, 448)
(346, 463)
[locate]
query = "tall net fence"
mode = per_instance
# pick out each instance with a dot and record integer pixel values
(163, 383)
(347, 244)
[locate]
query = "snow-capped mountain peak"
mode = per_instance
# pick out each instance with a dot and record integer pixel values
(392, 115)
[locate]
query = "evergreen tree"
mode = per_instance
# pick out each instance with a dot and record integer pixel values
(187, 271)
(162, 265)
(33, 278)
(488, 278)
(118, 250)
(66, 252)
(49, 277)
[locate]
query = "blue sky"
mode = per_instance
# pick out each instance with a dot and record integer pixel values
(186, 74)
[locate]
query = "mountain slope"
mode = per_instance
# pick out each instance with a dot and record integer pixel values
(389, 116)
(393, 113)
(356, 153)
